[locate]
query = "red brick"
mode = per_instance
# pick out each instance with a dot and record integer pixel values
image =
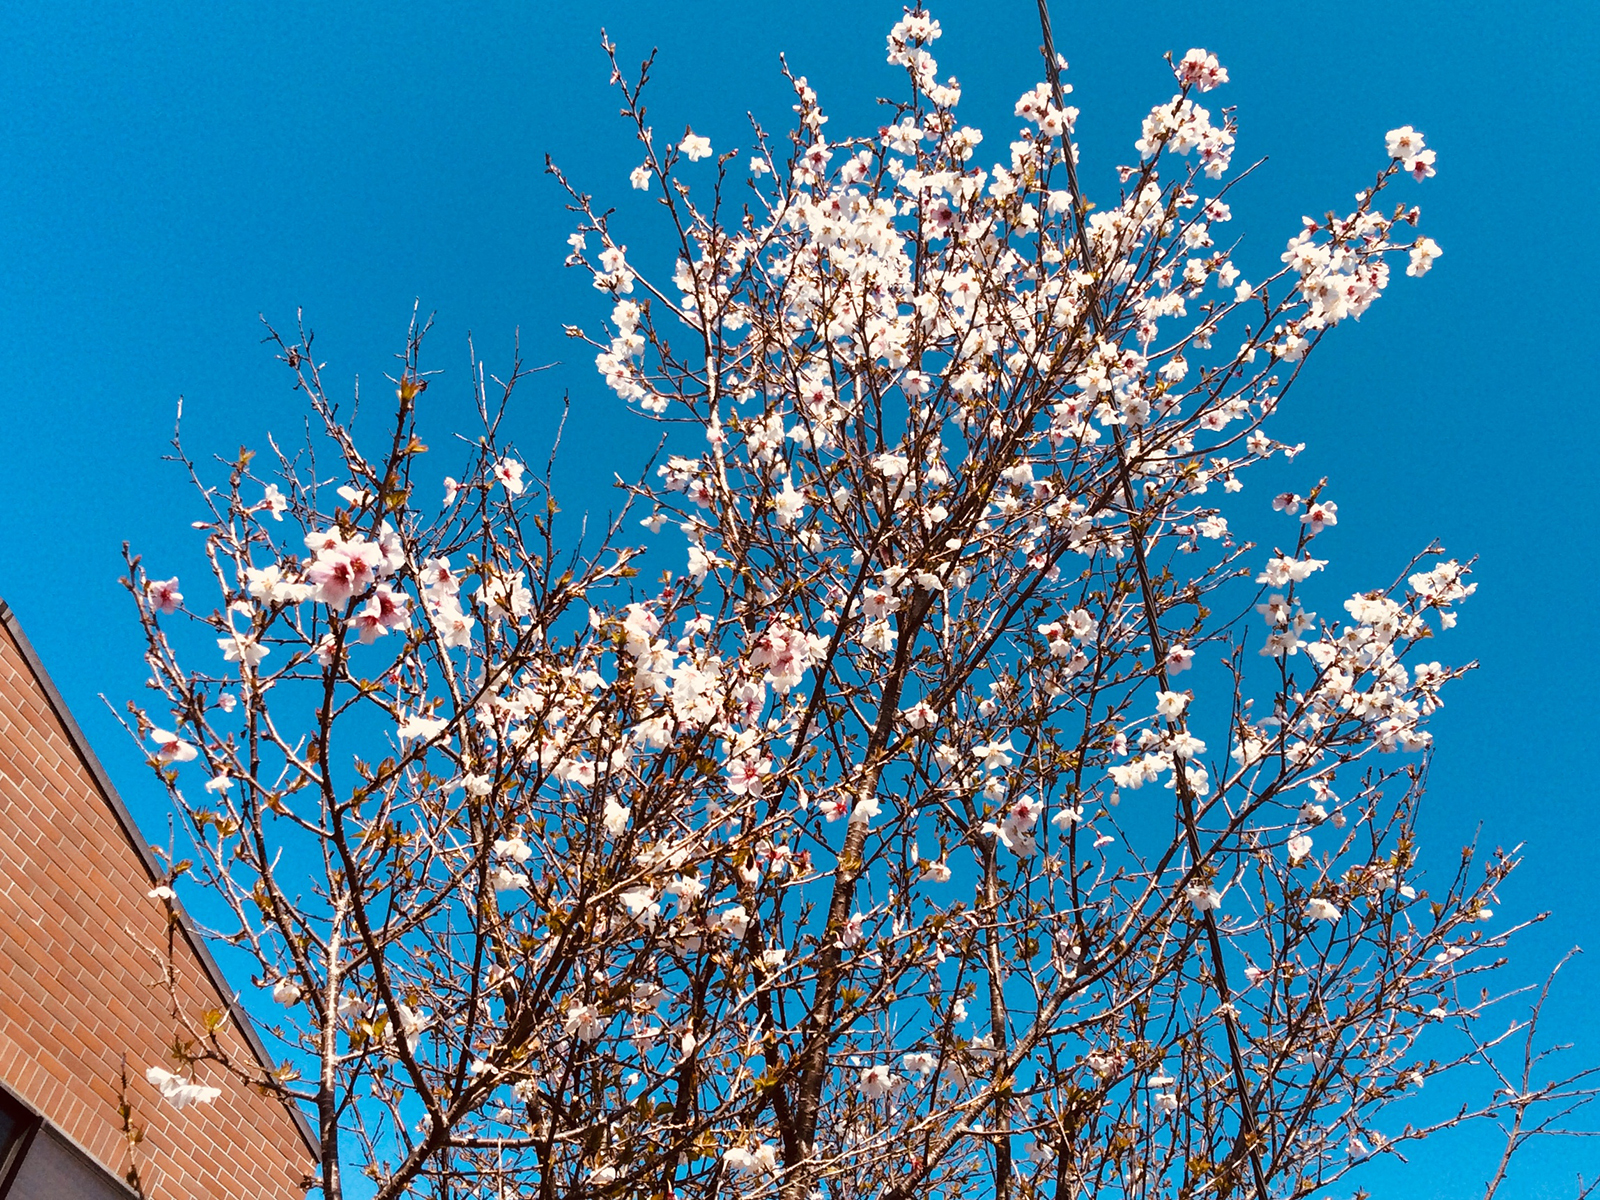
(75, 972)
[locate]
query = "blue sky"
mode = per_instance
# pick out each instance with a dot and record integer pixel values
(167, 172)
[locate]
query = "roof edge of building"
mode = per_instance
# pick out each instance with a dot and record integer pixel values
(131, 831)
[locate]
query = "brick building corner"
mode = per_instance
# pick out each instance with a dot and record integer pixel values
(76, 994)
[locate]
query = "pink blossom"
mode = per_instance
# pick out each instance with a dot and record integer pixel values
(164, 594)
(1403, 143)
(418, 727)
(747, 775)
(385, 610)
(242, 648)
(1202, 70)
(1422, 255)
(1420, 166)
(508, 473)
(178, 1091)
(325, 648)
(1320, 515)
(1319, 909)
(171, 748)
(584, 1022)
(854, 931)
(275, 502)
(342, 568)
(878, 1081)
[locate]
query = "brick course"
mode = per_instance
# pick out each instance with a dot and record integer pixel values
(77, 932)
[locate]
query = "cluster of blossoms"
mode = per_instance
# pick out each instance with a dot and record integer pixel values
(441, 593)
(939, 521)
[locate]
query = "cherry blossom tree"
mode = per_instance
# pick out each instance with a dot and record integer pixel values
(915, 786)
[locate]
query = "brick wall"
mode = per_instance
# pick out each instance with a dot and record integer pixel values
(76, 932)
